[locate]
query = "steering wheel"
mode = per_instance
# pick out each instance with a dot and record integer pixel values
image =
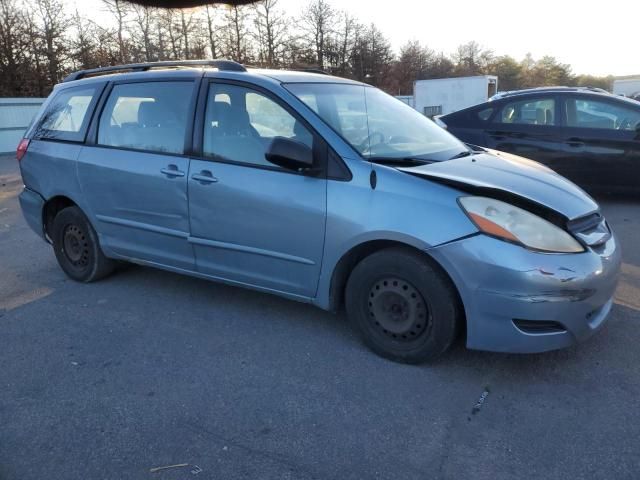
(368, 142)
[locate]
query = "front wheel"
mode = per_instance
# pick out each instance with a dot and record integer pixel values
(404, 307)
(76, 246)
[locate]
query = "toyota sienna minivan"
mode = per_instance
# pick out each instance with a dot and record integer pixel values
(322, 190)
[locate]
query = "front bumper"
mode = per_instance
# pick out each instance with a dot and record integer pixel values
(31, 204)
(504, 285)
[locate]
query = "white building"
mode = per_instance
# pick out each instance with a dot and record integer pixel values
(445, 95)
(629, 87)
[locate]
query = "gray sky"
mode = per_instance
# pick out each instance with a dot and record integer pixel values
(598, 39)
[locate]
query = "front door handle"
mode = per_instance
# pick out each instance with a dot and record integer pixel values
(172, 171)
(575, 142)
(497, 135)
(204, 177)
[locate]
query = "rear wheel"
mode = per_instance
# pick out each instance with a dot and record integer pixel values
(404, 307)
(76, 246)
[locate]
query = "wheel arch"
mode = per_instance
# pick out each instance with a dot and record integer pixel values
(51, 208)
(354, 255)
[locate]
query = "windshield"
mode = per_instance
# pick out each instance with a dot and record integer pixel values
(376, 124)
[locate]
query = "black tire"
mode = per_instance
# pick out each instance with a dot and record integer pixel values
(76, 246)
(405, 308)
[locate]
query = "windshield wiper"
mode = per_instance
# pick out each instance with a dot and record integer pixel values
(462, 154)
(402, 161)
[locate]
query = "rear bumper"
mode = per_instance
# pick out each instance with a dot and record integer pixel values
(521, 301)
(31, 204)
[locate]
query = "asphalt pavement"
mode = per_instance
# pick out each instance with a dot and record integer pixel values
(150, 369)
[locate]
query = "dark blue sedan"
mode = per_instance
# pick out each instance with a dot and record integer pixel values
(585, 134)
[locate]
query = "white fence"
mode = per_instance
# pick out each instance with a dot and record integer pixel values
(15, 116)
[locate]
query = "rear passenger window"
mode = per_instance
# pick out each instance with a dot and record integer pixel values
(529, 112)
(146, 116)
(66, 117)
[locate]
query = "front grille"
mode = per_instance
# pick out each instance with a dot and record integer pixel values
(538, 326)
(587, 222)
(591, 229)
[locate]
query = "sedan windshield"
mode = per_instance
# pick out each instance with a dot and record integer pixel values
(377, 125)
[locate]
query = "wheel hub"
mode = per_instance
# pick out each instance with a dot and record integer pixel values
(397, 309)
(76, 246)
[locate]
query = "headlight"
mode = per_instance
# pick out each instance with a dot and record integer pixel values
(499, 219)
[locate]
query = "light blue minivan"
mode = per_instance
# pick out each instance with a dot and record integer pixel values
(322, 190)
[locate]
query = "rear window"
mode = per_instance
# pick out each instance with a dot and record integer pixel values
(150, 116)
(67, 116)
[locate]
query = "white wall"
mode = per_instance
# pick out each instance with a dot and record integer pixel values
(15, 116)
(627, 86)
(452, 94)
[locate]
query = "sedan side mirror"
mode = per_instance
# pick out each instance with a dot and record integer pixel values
(290, 154)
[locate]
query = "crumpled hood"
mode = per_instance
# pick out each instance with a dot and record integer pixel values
(516, 175)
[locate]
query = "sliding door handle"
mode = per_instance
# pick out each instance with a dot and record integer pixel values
(204, 177)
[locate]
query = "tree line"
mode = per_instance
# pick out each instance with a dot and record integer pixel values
(41, 41)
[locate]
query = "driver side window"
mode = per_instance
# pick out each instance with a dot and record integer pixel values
(241, 123)
(588, 113)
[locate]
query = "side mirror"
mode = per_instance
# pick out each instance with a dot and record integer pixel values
(638, 131)
(289, 154)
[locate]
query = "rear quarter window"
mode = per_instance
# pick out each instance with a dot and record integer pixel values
(484, 114)
(67, 116)
(469, 117)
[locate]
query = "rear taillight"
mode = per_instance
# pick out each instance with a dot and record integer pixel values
(22, 148)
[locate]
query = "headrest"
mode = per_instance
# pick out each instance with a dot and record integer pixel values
(149, 114)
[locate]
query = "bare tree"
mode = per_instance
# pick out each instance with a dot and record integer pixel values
(413, 64)
(142, 33)
(119, 10)
(187, 22)
(40, 40)
(168, 20)
(236, 36)
(211, 30)
(270, 27)
(472, 59)
(348, 33)
(53, 23)
(12, 44)
(316, 23)
(39, 85)
(372, 58)
(83, 46)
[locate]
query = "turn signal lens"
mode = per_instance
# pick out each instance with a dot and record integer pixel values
(22, 148)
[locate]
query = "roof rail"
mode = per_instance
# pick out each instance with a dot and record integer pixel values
(311, 70)
(549, 90)
(226, 65)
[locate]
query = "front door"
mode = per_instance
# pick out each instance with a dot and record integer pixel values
(135, 177)
(601, 142)
(253, 222)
